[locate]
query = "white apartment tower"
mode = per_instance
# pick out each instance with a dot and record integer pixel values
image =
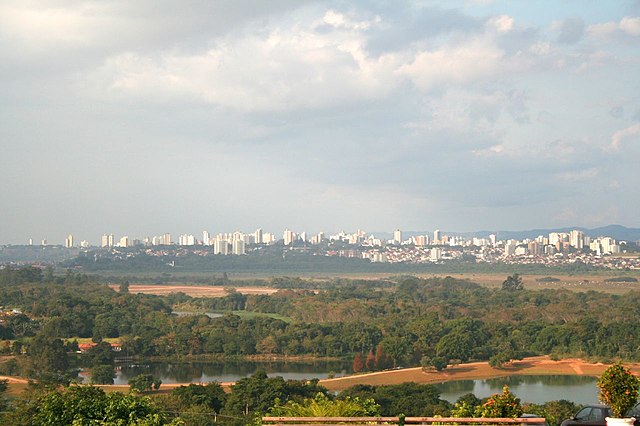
(104, 240)
(288, 237)
(124, 242)
(238, 247)
(397, 236)
(68, 242)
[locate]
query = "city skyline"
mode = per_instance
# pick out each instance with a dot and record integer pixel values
(472, 115)
(288, 236)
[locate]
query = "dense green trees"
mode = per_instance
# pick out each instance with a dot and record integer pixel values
(411, 399)
(391, 322)
(259, 393)
(322, 406)
(84, 405)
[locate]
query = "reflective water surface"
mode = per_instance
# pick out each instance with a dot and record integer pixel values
(536, 389)
(182, 372)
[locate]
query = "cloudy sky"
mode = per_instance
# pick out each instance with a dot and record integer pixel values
(143, 117)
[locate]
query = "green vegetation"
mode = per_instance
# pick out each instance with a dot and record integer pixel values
(322, 406)
(618, 389)
(379, 324)
(621, 280)
(547, 280)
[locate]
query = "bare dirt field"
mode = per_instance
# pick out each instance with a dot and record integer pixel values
(192, 290)
(477, 370)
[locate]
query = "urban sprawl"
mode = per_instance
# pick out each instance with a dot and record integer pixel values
(556, 248)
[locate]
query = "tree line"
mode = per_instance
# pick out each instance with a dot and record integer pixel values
(402, 321)
(250, 398)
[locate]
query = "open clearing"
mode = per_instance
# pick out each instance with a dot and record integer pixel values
(192, 290)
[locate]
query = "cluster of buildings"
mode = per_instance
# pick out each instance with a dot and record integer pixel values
(427, 248)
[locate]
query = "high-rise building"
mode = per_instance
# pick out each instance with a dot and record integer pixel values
(288, 237)
(124, 241)
(576, 239)
(205, 238)
(220, 246)
(68, 242)
(258, 235)
(437, 237)
(397, 236)
(435, 254)
(186, 240)
(238, 247)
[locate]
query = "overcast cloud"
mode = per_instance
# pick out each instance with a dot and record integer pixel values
(143, 117)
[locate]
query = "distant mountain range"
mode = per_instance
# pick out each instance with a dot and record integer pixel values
(617, 232)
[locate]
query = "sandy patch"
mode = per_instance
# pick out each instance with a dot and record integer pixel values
(477, 370)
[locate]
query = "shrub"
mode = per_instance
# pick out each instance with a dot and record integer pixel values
(501, 405)
(618, 389)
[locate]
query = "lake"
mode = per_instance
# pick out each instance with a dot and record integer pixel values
(181, 372)
(536, 389)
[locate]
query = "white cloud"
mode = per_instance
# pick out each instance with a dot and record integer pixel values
(630, 26)
(46, 26)
(285, 69)
(501, 24)
(620, 135)
(627, 25)
(459, 64)
(339, 20)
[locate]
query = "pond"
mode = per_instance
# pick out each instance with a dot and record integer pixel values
(182, 372)
(536, 389)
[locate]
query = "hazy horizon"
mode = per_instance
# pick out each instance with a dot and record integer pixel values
(139, 118)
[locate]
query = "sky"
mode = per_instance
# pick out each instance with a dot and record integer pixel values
(150, 116)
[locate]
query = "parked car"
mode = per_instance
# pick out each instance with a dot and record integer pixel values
(591, 415)
(594, 415)
(530, 416)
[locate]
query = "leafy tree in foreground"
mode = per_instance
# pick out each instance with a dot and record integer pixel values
(210, 395)
(322, 406)
(500, 405)
(553, 411)
(85, 405)
(258, 393)
(411, 399)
